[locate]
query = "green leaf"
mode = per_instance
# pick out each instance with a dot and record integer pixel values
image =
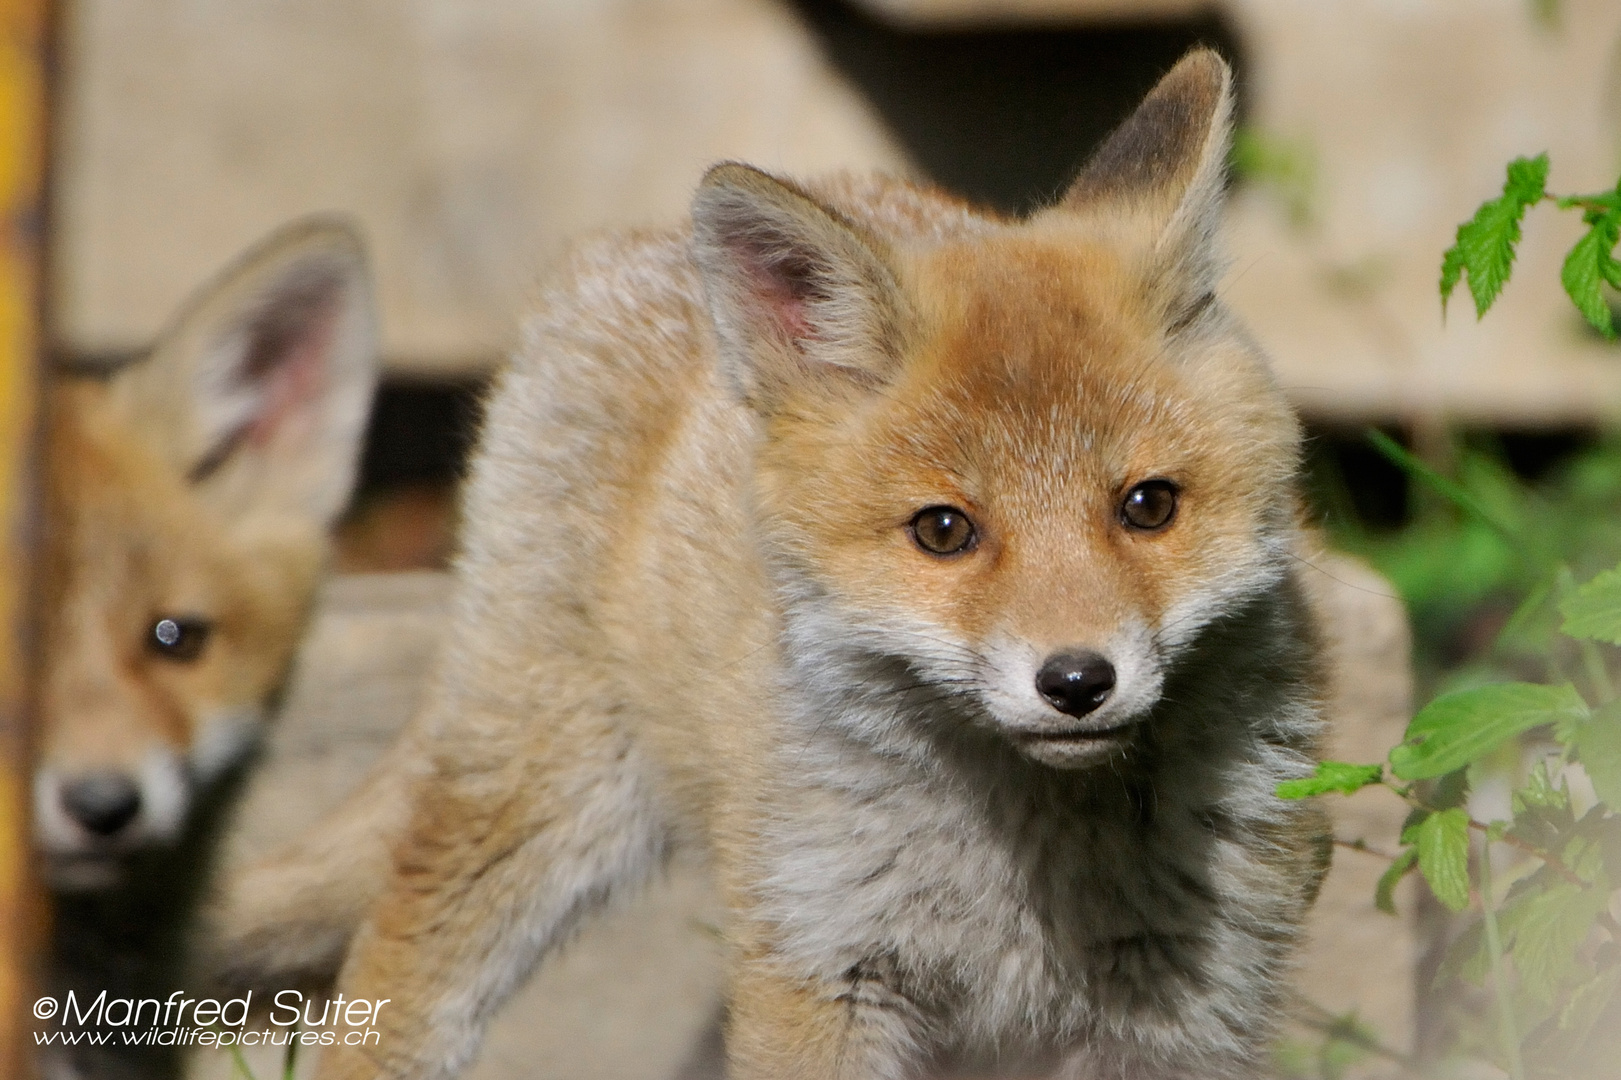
(1485, 245)
(1554, 926)
(1590, 264)
(1583, 855)
(1468, 957)
(1596, 739)
(1594, 609)
(1443, 857)
(1603, 828)
(1542, 814)
(1332, 776)
(1451, 274)
(1457, 728)
(1539, 793)
(1384, 895)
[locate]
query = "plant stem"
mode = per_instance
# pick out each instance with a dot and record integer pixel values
(1494, 947)
(1582, 202)
(1453, 492)
(1553, 862)
(1363, 846)
(1320, 1019)
(290, 1061)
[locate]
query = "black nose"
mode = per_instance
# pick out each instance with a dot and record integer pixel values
(1075, 683)
(102, 802)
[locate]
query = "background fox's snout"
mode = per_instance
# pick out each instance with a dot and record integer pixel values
(87, 812)
(101, 802)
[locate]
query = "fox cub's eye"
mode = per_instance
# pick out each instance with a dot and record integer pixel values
(1149, 505)
(180, 639)
(942, 530)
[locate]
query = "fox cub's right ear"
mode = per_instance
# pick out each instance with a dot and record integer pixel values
(801, 298)
(1156, 183)
(259, 391)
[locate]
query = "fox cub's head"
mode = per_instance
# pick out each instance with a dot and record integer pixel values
(1019, 464)
(188, 500)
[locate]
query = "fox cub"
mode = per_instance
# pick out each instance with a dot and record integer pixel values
(188, 500)
(934, 572)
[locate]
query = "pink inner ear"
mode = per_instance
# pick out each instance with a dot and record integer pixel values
(297, 378)
(779, 288)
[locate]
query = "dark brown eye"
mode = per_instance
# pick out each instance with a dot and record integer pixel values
(1150, 505)
(942, 530)
(179, 638)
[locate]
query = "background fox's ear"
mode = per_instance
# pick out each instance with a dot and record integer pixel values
(259, 391)
(800, 297)
(1157, 181)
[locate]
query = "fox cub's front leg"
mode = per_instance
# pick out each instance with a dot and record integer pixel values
(787, 1028)
(506, 849)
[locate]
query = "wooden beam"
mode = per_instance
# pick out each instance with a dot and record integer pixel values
(23, 42)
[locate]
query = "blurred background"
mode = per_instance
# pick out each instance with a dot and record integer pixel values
(471, 139)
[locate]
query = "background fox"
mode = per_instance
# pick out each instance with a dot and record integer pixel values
(932, 571)
(189, 498)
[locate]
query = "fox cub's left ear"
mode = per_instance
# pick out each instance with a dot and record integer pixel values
(259, 391)
(1155, 186)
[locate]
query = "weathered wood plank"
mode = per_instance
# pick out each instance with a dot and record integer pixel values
(22, 124)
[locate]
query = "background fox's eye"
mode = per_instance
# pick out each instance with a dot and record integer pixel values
(1149, 505)
(179, 637)
(942, 530)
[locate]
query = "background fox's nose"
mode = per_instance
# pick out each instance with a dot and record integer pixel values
(102, 802)
(1076, 682)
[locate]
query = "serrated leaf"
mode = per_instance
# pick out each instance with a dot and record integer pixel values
(1539, 793)
(1555, 924)
(1443, 857)
(1583, 856)
(1332, 776)
(1591, 263)
(1594, 609)
(1484, 250)
(1457, 728)
(1596, 739)
(1451, 273)
(1467, 957)
(1603, 828)
(1542, 814)
(1384, 894)
(1527, 179)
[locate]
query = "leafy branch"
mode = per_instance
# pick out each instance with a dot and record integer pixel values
(1485, 246)
(1547, 941)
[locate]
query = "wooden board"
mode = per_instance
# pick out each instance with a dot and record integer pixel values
(22, 118)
